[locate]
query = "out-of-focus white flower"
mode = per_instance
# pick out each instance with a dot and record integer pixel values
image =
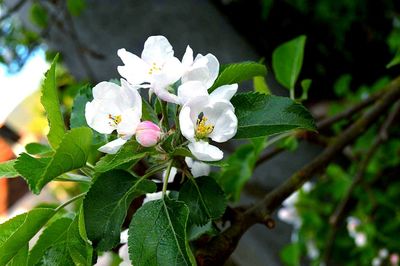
(289, 215)
(114, 108)
(312, 250)
(376, 261)
(352, 224)
(207, 117)
(203, 68)
(156, 69)
(383, 253)
(148, 133)
(360, 239)
(197, 168)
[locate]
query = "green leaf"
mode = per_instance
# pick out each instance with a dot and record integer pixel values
(16, 233)
(106, 204)
(205, 199)
(38, 149)
(51, 104)
(157, 234)
(148, 112)
(131, 153)
(260, 85)
(38, 15)
(182, 151)
(71, 154)
(21, 258)
(239, 168)
(196, 231)
(79, 249)
(55, 233)
(291, 254)
(262, 115)
(287, 60)
(7, 169)
(57, 255)
(235, 73)
(395, 60)
(75, 7)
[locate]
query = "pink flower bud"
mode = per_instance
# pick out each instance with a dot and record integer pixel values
(147, 133)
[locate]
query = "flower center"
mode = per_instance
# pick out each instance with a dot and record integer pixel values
(115, 120)
(202, 128)
(154, 68)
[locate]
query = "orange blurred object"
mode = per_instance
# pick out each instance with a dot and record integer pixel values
(5, 154)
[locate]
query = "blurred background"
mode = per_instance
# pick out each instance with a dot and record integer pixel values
(349, 45)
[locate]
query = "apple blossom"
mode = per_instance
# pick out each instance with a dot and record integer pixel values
(156, 69)
(203, 68)
(114, 108)
(197, 168)
(207, 117)
(148, 133)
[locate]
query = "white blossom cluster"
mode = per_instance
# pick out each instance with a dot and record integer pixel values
(203, 116)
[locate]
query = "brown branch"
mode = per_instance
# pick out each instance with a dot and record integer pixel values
(220, 248)
(350, 111)
(340, 212)
(12, 10)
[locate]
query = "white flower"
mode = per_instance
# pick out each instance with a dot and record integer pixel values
(114, 108)
(124, 250)
(360, 239)
(203, 68)
(156, 69)
(207, 117)
(383, 253)
(197, 168)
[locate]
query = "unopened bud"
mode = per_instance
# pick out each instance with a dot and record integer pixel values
(147, 133)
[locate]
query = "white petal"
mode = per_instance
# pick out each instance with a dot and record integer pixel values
(97, 120)
(197, 168)
(172, 175)
(129, 121)
(203, 151)
(197, 74)
(190, 90)
(213, 67)
(186, 123)
(124, 236)
(187, 59)
(165, 95)
(106, 91)
(135, 69)
(225, 127)
(172, 70)
(113, 146)
(130, 98)
(157, 49)
(153, 196)
(224, 92)
(124, 255)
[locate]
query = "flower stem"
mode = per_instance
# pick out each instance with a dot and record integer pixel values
(70, 201)
(164, 189)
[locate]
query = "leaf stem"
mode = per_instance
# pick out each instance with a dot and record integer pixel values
(164, 189)
(70, 201)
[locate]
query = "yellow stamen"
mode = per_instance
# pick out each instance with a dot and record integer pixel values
(154, 68)
(115, 120)
(202, 129)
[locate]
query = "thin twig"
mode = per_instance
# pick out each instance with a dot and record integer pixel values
(221, 246)
(339, 214)
(12, 10)
(349, 112)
